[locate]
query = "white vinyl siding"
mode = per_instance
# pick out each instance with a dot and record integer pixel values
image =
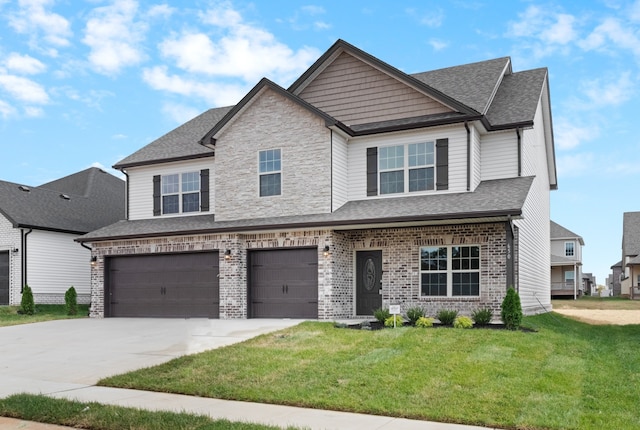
(339, 171)
(499, 157)
(140, 199)
(10, 239)
(457, 136)
(55, 262)
(476, 157)
(558, 248)
(534, 229)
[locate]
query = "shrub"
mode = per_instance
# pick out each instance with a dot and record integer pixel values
(27, 306)
(381, 314)
(71, 301)
(482, 316)
(394, 321)
(511, 313)
(424, 322)
(414, 313)
(463, 322)
(447, 316)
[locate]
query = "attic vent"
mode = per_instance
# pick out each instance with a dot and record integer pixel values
(64, 196)
(24, 188)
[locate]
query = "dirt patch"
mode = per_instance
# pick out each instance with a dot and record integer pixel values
(601, 316)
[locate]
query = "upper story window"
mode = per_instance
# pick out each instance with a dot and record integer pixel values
(569, 250)
(181, 193)
(413, 165)
(270, 172)
(450, 271)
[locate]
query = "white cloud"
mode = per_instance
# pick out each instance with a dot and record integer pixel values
(434, 18)
(321, 25)
(24, 89)
(313, 10)
(114, 36)
(576, 164)
(612, 92)
(180, 113)
(6, 110)
(91, 98)
(33, 111)
(34, 18)
(24, 64)
(562, 31)
(161, 11)
(615, 31)
(437, 44)
(570, 135)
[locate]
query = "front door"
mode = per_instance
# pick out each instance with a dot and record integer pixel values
(368, 282)
(4, 278)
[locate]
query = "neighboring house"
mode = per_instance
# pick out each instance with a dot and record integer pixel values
(614, 279)
(589, 285)
(630, 283)
(566, 262)
(358, 187)
(38, 228)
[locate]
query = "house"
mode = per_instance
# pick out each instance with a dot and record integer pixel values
(358, 187)
(589, 285)
(38, 226)
(613, 281)
(630, 283)
(566, 262)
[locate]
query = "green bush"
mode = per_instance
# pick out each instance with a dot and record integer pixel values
(463, 322)
(414, 313)
(424, 322)
(381, 314)
(482, 316)
(71, 301)
(447, 316)
(27, 306)
(394, 321)
(511, 313)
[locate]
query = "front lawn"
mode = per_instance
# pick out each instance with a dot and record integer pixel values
(567, 375)
(9, 314)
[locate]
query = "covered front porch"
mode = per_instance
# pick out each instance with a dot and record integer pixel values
(564, 279)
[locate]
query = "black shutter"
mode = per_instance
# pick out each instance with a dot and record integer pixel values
(442, 164)
(156, 196)
(372, 171)
(204, 190)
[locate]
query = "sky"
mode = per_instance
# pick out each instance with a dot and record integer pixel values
(88, 82)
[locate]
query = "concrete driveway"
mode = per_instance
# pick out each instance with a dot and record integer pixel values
(64, 355)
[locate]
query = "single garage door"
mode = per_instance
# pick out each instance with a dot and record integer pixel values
(4, 277)
(283, 283)
(163, 285)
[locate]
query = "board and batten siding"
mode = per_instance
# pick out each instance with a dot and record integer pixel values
(54, 263)
(457, 157)
(499, 157)
(140, 197)
(10, 239)
(535, 237)
(355, 92)
(339, 155)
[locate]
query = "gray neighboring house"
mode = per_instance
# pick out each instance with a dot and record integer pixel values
(358, 187)
(38, 228)
(566, 262)
(614, 279)
(630, 283)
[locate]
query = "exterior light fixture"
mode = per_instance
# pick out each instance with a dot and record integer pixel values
(227, 254)
(15, 250)
(94, 261)
(326, 250)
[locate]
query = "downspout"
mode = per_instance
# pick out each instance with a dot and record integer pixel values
(519, 152)
(331, 166)
(24, 258)
(466, 126)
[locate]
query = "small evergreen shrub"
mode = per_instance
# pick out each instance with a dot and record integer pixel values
(414, 313)
(27, 306)
(447, 316)
(71, 301)
(463, 322)
(381, 314)
(394, 320)
(511, 313)
(482, 316)
(424, 322)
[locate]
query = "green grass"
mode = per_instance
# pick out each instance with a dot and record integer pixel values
(9, 314)
(567, 375)
(100, 417)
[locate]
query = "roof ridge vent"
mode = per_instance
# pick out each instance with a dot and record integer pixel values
(24, 188)
(65, 196)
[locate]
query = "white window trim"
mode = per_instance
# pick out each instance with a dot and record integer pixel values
(180, 193)
(574, 248)
(450, 271)
(260, 174)
(406, 168)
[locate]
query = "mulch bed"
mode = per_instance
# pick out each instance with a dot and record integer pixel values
(377, 325)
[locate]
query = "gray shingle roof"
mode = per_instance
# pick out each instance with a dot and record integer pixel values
(631, 233)
(178, 144)
(491, 199)
(78, 203)
(560, 260)
(560, 232)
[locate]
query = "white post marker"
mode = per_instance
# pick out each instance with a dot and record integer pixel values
(394, 310)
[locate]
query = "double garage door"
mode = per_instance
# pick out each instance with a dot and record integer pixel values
(281, 284)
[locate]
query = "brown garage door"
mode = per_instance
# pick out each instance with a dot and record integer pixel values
(163, 285)
(283, 283)
(4, 277)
